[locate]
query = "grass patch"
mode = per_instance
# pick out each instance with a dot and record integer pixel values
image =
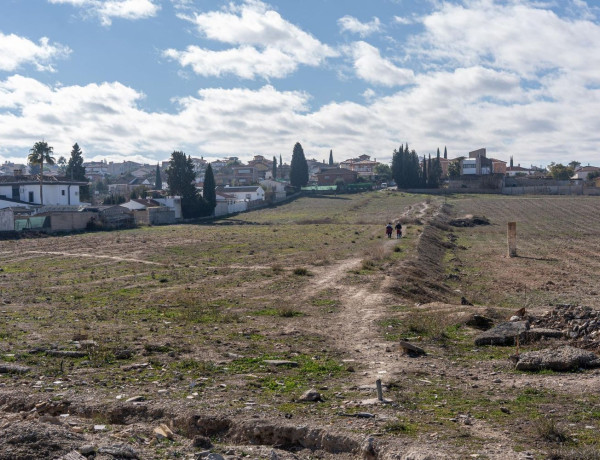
(280, 312)
(549, 430)
(400, 427)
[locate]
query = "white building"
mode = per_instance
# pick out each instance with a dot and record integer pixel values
(277, 189)
(582, 172)
(57, 190)
(246, 193)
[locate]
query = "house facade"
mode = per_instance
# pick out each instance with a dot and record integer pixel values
(244, 175)
(512, 171)
(244, 193)
(333, 175)
(363, 166)
(582, 172)
(57, 190)
(479, 164)
(274, 189)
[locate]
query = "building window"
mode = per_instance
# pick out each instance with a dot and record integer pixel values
(31, 197)
(62, 192)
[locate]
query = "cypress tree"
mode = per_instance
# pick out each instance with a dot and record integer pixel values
(298, 167)
(331, 158)
(429, 172)
(76, 171)
(208, 192)
(445, 153)
(274, 173)
(511, 161)
(397, 167)
(417, 178)
(158, 179)
(424, 180)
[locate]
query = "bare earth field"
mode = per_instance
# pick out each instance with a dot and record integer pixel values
(199, 341)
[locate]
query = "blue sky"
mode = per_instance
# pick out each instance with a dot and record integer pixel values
(137, 79)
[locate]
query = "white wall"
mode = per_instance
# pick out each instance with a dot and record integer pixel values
(53, 193)
(171, 202)
(258, 194)
(7, 222)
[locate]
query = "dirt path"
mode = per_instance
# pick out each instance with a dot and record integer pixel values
(354, 328)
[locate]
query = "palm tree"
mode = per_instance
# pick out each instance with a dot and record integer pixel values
(41, 152)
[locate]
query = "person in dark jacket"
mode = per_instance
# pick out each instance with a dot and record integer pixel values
(398, 230)
(388, 230)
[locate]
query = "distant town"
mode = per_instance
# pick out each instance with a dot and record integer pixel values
(74, 195)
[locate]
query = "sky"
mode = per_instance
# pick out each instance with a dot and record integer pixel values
(138, 79)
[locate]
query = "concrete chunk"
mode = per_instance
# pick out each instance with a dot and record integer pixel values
(503, 334)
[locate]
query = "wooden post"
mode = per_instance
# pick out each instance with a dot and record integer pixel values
(512, 239)
(379, 390)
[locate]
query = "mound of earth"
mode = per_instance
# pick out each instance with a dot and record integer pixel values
(470, 221)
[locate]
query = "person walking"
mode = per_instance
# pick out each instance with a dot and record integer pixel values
(398, 230)
(388, 230)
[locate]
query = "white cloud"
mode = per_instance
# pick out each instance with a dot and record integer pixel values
(353, 25)
(269, 46)
(107, 10)
(464, 109)
(513, 36)
(403, 21)
(371, 67)
(369, 94)
(16, 51)
(245, 62)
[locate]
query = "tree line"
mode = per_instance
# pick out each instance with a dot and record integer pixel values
(409, 171)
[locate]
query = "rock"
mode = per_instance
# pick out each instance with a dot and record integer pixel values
(73, 455)
(369, 448)
(214, 456)
(50, 419)
(479, 322)
(136, 399)
(163, 432)
(132, 367)
(280, 362)
(123, 353)
(119, 451)
(203, 442)
(88, 344)
(558, 359)
(418, 455)
(506, 410)
(311, 395)
(87, 449)
(6, 368)
(503, 334)
(537, 333)
(410, 349)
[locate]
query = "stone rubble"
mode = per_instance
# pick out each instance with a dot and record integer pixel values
(580, 324)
